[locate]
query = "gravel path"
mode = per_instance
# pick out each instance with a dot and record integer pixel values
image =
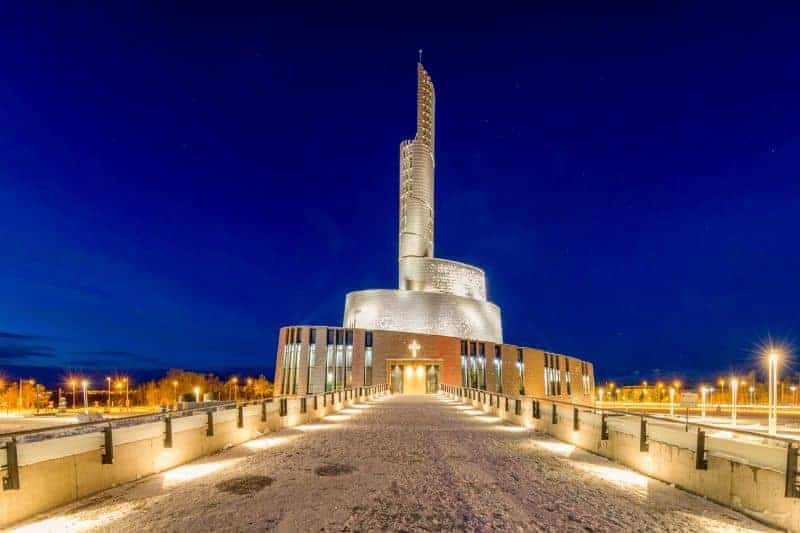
(401, 463)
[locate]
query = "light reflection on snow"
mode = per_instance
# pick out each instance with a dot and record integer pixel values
(264, 443)
(185, 473)
(559, 448)
(316, 427)
(101, 518)
(618, 476)
(509, 428)
(338, 418)
(489, 419)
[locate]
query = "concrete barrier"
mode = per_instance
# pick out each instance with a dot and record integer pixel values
(56, 468)
(749, 477)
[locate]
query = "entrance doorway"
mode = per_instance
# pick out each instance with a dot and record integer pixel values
(413, 375)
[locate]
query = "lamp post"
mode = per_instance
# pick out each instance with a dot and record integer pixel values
(72, 382)
(235, 381)
(600, 393)
(734, 391)
(85, 384)
(793, 388)
(108, 398)
(752, 395)
(773, 392)
(197, 394)
(127, 403)
(672, 401)
(721, 383)
(175, 390)
(703, 392)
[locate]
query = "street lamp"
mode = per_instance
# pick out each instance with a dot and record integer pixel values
(773, 391)
(197, 394)
(703, 391)
(175, 390)
(793, 388)
(734, 391)
(72, 382)
(600, 392)
(84, 384)
(235, 381)
(108, 398)
(672, 401)
(721, 383)
(752, 395)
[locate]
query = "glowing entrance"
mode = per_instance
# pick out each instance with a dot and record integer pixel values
(414, 375)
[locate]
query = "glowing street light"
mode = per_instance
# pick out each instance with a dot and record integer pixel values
(85, 384)
(793, 388)
(108, 398)
(175, 390)
(672, 401)
(734, 392)
(752, 395)
(73, 383)
(703, 391)
(197, 394)
(773, 391)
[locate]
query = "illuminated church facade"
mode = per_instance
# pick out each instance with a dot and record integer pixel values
(437, 327)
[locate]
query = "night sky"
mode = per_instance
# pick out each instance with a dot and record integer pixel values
(179, 181)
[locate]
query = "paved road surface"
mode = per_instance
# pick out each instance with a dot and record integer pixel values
(400, 463)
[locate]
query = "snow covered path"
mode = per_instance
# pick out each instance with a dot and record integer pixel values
(403, 462)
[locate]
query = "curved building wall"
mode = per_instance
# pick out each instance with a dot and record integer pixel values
(423, 312)
(442, 275)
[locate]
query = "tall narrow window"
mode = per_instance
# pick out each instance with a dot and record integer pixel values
(339, 359)
(473, 366)
(567, 378)
(547, 374)
(348, 358)
(482, 366)
(312, 360)
(368, 358)
(521, 370)
(296, 359)
(464, 369)
(329, 362)
(285, 364)
(558, 375)
(585, 383)
(498, 369)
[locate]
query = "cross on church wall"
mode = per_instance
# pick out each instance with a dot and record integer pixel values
(414, 347)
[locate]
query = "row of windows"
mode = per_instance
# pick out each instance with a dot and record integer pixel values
(337, 363)
(291, 361)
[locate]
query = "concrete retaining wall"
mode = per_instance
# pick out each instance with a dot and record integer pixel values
(59, 470)
(748, 477)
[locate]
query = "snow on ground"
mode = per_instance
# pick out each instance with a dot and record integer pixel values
(400, 463)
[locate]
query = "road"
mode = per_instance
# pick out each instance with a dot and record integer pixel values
(409, 463)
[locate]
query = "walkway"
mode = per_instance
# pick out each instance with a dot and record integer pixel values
(400, 463)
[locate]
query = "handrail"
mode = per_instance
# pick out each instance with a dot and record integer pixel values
(595, 409)
(182, 413)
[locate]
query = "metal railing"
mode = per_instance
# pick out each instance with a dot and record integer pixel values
(791, 445)
(9, 441)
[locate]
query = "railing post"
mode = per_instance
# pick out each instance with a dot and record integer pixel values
(264, 411)
(168, 432)
(240, 417)
(576, 424)
(555, 414)
(209, 423)
(11, 480)
(792, 473)
(108, 446)
(643, 445)
(604, 426)
(700, 461)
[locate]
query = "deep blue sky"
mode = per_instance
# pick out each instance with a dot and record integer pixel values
(178, 181)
